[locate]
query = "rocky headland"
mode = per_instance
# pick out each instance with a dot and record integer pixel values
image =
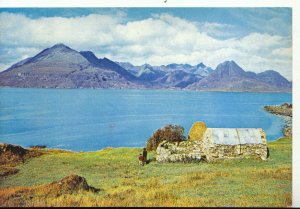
(285, 111)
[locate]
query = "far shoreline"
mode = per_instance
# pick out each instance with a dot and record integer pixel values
(149, 89)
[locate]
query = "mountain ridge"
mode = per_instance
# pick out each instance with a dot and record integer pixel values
(63, 67)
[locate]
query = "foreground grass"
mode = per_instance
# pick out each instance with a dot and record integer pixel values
(123, 182)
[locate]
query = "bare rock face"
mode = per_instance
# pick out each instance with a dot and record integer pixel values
(186, 151)
(197, 131)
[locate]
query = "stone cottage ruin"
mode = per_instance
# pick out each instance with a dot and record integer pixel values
(211, 144)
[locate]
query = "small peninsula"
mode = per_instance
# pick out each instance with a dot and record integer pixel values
(285, 111)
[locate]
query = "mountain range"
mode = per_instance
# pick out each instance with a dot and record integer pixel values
(62, 67)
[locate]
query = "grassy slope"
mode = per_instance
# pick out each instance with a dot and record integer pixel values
(245, 182)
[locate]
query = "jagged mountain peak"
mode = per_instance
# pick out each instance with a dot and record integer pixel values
(229, 68)
(228, 63)
(63, 67)
(146, 65)
(201, 65)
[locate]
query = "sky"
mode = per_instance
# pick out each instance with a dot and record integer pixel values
(257, 39)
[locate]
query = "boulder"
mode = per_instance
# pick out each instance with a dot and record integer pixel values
(70, 184)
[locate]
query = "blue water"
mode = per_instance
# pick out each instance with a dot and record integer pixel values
(88, 119)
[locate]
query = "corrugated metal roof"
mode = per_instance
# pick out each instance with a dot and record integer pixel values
(235, 136)
(249, 135)
(225, 136)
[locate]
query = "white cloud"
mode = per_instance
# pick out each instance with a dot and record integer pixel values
(282, 52)
(161, 39)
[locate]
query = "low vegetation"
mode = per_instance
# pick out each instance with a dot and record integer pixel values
(123, 182)
(170, 133)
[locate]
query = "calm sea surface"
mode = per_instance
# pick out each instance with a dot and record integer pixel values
(88, 119)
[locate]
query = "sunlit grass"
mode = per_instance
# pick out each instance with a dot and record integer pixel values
(124, 182)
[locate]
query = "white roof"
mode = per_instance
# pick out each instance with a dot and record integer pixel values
(235, 136)
(250, 136)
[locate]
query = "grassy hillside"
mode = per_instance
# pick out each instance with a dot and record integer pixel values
(123, 182)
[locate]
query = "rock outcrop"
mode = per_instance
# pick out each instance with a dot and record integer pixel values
(21, 196)
(12, 155)
(284, 109)
(70, 184)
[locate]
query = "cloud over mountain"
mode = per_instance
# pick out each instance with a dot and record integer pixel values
(158, 39)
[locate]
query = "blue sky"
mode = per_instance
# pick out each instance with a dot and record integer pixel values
(257, 39)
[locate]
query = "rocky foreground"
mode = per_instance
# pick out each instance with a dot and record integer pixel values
(285, 111)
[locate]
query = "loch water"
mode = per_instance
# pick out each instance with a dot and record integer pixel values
(92, 119)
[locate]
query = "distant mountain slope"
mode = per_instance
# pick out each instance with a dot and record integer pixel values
(199, 69)
(63, 67)
(178, 78)
(172, 75)
(228, 76)
(273, 78)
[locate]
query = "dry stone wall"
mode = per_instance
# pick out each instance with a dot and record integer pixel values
(186, 151)
(215, 144)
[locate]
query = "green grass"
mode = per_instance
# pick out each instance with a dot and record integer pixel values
(246, 182)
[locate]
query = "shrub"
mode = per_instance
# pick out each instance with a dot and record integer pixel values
(170, 133)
